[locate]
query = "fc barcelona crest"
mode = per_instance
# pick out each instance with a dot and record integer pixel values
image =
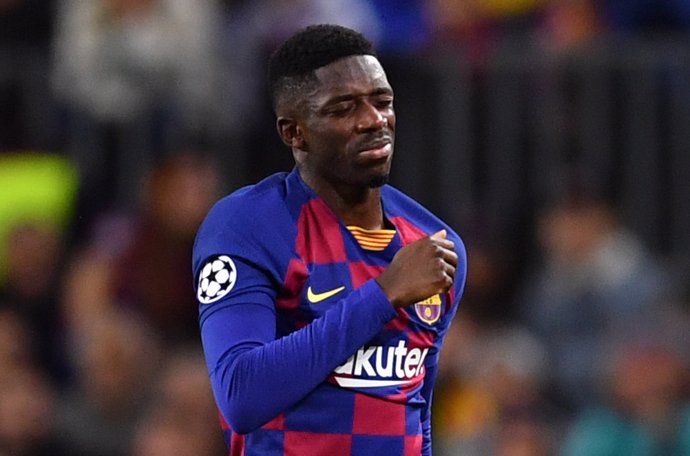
(429, 310)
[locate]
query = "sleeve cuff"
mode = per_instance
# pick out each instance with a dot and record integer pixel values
(373, 294)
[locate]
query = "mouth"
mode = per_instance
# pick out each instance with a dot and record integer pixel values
(377, 150)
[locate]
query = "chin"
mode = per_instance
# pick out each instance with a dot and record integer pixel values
(378, 181)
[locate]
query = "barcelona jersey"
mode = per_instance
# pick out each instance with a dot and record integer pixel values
(305, 353)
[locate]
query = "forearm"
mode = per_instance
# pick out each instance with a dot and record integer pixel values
(256, 381)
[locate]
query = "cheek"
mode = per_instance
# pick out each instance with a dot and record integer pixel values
(329, 144)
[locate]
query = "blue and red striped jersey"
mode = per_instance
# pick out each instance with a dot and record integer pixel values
(305, 353)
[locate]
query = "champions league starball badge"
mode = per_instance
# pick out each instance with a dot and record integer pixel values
(216, 279)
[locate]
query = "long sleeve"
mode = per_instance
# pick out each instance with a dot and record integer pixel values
(255, 377)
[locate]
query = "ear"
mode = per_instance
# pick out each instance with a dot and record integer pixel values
(290, 132)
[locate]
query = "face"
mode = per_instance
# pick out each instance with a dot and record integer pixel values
(345, 132)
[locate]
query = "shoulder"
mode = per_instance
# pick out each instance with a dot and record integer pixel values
(248, 205)
(244, 220)
(400, 204)
(406, 209)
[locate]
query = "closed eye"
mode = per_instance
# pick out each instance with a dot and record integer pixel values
(384, 102)
(340, 109)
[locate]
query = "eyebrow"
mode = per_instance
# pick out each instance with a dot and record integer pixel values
(349, 96)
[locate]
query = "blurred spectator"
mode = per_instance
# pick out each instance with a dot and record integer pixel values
(594, 283)
(647, 407)
(139, 260)
(128, 305)
(87, 289)
(525, 438)
(17, 349)
(136, 77)
(37, 194)
(33, 260)
(115, 357)
(477, 27)
(460, 25)
(164, 435)
(182, 420)
(492, 401)
(570, 24)
(494, 272)
(35, 189)
(27, 415)
(152, 271)
(491, 397)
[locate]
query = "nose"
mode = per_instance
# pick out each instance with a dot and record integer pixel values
(371, 118)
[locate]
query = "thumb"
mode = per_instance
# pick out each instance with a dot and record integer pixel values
(439, 234)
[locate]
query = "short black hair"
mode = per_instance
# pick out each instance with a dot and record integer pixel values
(292, 65)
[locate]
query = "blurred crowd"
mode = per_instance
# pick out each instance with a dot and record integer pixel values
(122, 121)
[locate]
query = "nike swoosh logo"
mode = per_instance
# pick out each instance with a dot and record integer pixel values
(318, 297)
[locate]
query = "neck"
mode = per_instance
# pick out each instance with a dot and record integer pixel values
(359, 206)
(368, 214)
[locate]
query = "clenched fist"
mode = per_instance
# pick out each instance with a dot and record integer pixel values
(421, 269)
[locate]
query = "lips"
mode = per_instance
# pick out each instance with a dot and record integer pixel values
(381, 148)
(377, 152)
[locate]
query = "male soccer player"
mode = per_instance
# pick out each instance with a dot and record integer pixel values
(324, 293)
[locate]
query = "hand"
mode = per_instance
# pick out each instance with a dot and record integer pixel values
(419, 270)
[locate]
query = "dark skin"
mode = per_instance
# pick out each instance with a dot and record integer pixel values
(342, 134)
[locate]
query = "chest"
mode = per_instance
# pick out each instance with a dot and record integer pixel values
(316, 288)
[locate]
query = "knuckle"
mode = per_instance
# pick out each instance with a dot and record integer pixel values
(441, 277)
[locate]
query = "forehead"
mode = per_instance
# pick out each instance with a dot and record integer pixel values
(354, 74)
